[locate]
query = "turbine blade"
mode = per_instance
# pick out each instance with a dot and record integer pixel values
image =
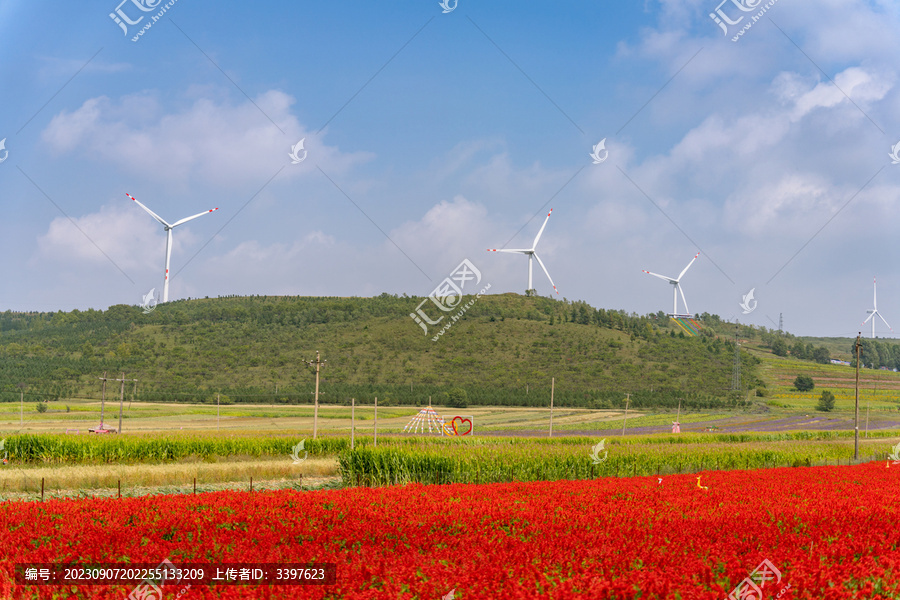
(547, 273)
(521, 250)
(874, 295)
(885, 322)
(186, 219)
(152, 214)
(663, 277)
(869, 317)
(686, 309)
(534, 245)
(688, 267)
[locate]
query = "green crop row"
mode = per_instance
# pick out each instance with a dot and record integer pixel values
(536, 461)
(111, 448)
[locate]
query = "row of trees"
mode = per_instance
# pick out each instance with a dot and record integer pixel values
(877, 354)
(781, 347)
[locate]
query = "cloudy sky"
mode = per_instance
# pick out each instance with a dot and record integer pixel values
(431, 136)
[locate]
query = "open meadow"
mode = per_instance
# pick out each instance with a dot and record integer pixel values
(770, 494)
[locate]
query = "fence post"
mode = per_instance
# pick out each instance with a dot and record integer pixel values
(120, 487)
(251, 484)
(42, 489)
(195, 485)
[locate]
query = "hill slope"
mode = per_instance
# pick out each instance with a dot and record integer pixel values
(503, 350)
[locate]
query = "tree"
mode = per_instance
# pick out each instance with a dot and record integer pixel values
(826, 402)
(804, 383)
(457, 398)
(779, 347)
(821, 355)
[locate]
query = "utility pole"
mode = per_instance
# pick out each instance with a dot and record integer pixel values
(122, 399)
(102, 399)
(625, 420)
(856, 429)
(217, 411)
(21, 408)
(352, 422)
(552, 388)
(318, 363)
(376, 421)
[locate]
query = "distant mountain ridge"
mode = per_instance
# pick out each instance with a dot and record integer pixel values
(504, 349)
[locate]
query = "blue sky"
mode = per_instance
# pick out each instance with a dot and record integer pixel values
(432, 137)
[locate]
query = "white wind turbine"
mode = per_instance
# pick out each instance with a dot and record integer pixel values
(530, 253)
(874, 311)
(169, 229)
(676, 283)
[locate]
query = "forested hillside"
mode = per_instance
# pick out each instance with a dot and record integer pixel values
(503, 350)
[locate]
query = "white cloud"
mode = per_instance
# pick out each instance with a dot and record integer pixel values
(129, 238)
(210, 141)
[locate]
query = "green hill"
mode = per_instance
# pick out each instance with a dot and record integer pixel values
(502, 351)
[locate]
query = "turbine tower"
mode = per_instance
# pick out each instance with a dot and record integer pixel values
(531, 254)
(676, 283)
(169, 229)
(874, 311)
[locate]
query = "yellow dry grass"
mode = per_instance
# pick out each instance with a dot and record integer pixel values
(92, 477)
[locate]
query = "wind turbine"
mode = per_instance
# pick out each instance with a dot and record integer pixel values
(169, 229)
(676, 283)
(530, 253)
(874, 311)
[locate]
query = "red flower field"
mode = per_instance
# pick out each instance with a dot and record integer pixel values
(827, 532)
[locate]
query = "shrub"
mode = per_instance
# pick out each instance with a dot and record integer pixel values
(804, 383)
(41, 407)
(826, 402)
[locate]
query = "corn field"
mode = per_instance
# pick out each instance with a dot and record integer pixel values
(125, 449)
(433, 461)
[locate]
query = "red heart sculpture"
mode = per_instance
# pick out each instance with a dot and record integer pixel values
(461, 421)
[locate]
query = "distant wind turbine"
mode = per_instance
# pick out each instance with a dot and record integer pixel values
(169, 229)
(676, 283)
(530, 253)
(874, 311)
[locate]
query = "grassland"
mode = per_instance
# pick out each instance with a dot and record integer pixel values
(878, 389)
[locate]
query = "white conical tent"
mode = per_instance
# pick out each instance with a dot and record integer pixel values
(427, 417)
